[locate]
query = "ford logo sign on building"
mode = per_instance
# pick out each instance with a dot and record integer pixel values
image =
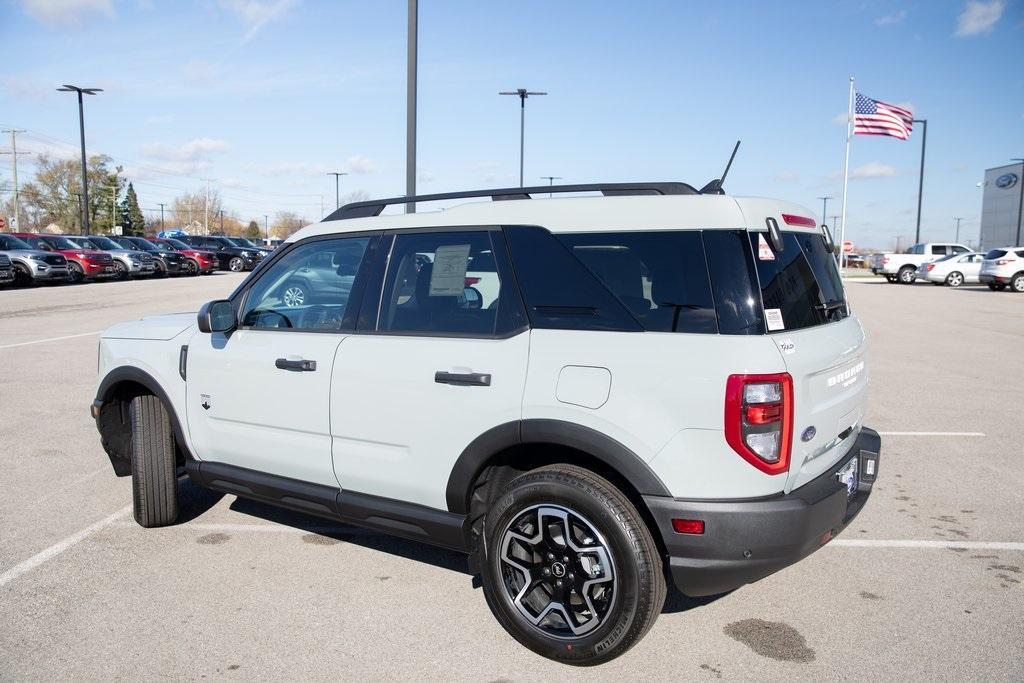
(1006, 181)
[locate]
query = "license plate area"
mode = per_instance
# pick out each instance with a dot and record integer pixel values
(848, 477)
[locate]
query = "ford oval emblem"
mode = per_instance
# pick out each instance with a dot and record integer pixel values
(808, 433)
(1007, 180)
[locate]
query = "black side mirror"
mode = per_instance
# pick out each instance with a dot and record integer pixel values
(829, 242)
(217, 316)
(774, 234)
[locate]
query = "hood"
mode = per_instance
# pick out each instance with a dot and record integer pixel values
(27, 253)
(158, 327)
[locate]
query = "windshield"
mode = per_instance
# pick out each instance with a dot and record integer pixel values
(144, 245)
(61, 243)
(243, 242)
(100, 242)
(8, 242)
(176, 244)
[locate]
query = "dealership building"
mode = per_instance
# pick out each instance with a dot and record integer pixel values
(1001, 207)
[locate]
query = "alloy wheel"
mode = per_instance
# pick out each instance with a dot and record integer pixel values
(557, 571)
(294, 296)
(955, 279)
(1018, 283)
(235, 264)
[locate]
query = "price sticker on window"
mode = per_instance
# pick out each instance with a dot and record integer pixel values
(448, 278)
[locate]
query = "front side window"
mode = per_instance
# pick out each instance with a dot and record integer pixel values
(958, 250)
(441, 283)
(308, 288)
(9, 242)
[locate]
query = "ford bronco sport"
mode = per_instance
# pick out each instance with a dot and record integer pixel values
(588, 395)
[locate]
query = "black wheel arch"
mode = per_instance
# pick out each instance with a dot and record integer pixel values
(115, 392)
(511, 437)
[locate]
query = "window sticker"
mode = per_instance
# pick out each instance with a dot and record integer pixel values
(773, 316)
(449, 275)
(764, 252)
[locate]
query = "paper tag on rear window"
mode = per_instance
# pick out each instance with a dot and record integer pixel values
(773, 316)
(448, 278)
(764, 252)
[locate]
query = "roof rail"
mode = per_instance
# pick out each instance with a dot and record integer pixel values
(374, 207)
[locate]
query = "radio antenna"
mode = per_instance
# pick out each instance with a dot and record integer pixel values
(715, 186)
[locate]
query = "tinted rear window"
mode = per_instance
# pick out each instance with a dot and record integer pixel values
(660, 277)
(995, 253)
(800, 286)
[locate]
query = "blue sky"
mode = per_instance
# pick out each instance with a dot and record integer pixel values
(265, 97)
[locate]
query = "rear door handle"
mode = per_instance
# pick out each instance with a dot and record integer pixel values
(295, 365)
(471, 379)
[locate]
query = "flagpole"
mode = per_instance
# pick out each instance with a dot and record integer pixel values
(846, 178)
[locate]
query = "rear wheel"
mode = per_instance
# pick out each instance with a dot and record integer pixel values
(571, 569)
(907, 275)
(154, 480)
(955, 279)
(1017, 283)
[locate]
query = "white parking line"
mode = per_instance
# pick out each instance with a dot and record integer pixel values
(931, 433)
(967, 545)
(49, 339)
(59, 547)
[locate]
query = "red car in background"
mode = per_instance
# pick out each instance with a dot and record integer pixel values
(199, 262)
(83, 264)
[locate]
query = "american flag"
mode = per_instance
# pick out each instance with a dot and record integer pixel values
(872, 117)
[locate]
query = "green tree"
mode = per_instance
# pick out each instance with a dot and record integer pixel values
(54, 194)
(132, 220)
(252, 231)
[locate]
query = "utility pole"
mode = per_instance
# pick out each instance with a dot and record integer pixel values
(412, 49)
(957, 219)
(920, 179)
(551, 181)
(337, 192)
(113, 205)
(266, 226)
(16, 226)
(522, 94)
(81, 130)
(206, 207)
(824, 208)
(222, 221)
(161, 217)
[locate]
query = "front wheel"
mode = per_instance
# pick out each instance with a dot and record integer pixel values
(571, 569)
(75, 273)
(907, 275)
(1017, 283)
(236, 265)
(191, 267)
(891, 278)
(154, 479)
(22, 276)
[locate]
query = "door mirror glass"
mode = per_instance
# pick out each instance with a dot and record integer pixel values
(217, 316)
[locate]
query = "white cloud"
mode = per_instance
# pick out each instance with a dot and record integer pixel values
(255, 14)
(979, 17)
(874, 169)
(66, 13)
(199, 149)
(359, 165)
(840, 119)
(891, 19)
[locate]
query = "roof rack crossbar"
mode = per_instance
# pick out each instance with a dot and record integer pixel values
(374, 207)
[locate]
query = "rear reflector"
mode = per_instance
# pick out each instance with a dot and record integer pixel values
(803, 221)
(688, 526)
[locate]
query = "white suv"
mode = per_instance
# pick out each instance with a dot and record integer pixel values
(653, 383)
(1002, 267)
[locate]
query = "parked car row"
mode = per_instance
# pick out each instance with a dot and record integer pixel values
(29, 259)
(954, 265)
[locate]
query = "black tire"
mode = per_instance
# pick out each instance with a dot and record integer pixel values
(120, 270)
(154, 480)
(891, 278)
(1017, 283)
(159, 270)
(22, 276)
(191, 267)
(236, 264)
(996, 287)
(907, 275)
(75, 273)
(634, 565)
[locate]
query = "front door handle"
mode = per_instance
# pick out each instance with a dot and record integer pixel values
(471, 379)
(295, 365)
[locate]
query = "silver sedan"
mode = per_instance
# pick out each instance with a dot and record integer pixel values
(953, 270)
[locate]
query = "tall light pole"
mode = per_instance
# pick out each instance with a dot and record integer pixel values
(337, 195)
(551, 180)
(522, 94)
(206, 206)
(410, 104)
(920, 178)
(266, 226)
(824, 208)
(81, 130)
(1020, 202)
(957, 219)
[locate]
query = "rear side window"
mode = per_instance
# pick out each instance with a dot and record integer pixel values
(939, 250)
(731, 266)
(1020, 252)
(660, 277)
(995, 253)
(800, 286)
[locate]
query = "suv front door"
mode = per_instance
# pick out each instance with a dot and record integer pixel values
(438, 359)
(258, 396)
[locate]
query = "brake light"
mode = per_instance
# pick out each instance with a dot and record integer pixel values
(803, 221)
(885, 259)
(759, 419)
(470, 281)
(929, 266)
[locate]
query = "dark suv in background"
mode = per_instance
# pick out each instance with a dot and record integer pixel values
(230, 256)
(168, 261)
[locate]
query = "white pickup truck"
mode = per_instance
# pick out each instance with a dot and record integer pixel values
(902, 268)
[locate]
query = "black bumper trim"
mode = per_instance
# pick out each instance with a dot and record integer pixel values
(746, 540)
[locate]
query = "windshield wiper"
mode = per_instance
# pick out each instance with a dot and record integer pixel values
(832, 305)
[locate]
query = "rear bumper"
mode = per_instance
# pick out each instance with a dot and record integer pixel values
(990, 279)
(746, 540)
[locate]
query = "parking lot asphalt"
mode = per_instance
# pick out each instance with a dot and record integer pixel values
(927, 583)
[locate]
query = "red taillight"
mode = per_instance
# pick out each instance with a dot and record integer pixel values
(470, 281)
(803, 221)
(885, 259)
(929, 266)
(759, 419)
(688, 526)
